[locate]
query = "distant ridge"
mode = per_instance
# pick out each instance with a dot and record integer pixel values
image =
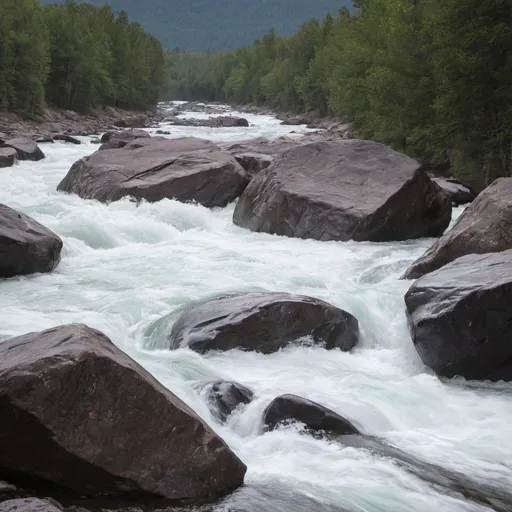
(218, 25)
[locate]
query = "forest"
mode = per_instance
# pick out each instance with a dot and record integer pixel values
(430, 78)
(75, 56)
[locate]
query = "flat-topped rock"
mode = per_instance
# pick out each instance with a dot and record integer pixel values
(456, 192)
(188, 170)
(8, 157)
(485, 226)
(26, 246)
(79, 413)
(264, 322)
(344, 190)
(26, 148)
(119, 139)
(460, 317)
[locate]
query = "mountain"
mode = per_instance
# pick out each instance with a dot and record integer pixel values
(219, 25)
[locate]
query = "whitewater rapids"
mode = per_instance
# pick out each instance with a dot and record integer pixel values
(127, 269)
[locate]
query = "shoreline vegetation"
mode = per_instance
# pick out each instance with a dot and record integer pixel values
(430, 78)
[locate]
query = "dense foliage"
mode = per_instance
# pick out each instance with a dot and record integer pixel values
(428, 77)
(75, 56)
(218, 25)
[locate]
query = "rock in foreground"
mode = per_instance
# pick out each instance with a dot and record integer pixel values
(28, 505)
(460, 317)
(316, 417)
(263, 322)
(26, 148)
(79, 413)
(26, 246)
(156, 168)
(486, 226)
(224, 397)
(8, 157)
(344, 190)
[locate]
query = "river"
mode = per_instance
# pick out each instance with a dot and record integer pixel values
(127, 269)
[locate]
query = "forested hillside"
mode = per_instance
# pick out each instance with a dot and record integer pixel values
(75, 56)
(218, 25)
(430, 77)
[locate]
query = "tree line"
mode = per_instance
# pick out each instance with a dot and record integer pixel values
(75, 56)
(431, 78)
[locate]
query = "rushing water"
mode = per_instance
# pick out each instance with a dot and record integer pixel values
(126, 270)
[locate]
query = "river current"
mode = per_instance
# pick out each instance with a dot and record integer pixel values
(127, 270)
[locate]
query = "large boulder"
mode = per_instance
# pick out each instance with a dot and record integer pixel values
(460, 317)
(316, 417)
(456, 192)
(485, 226)
(26, 148)
(79, 413)
(28, 505)
(263, 322)
(8, 157)
(158, 168)
(133, 121)
(229, 122)
(224, 397)
(119, 139)
(344, 190)
(26, 246)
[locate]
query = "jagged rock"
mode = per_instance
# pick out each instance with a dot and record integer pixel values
(456, 192)
(79, 413)
(29, 505)
(8, 157)
(26, 148)
(156, 168)
(316, 417)
(460, 317)
(26, 246)
(224, 397)
(344, 190)
(485, 226)
(66, 138)
(264, 322)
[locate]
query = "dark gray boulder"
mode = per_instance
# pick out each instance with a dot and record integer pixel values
(456, 192)
(485, 226)
(460, 317)
(8, 157)
(79, 413)
(119, 139)
(188, 170)
(29, 505)
(26, 246)
(63, 137)
(316, 417)
(229, 122)
(224, 397)
(344, 190)
(263, 322)
(26, 148)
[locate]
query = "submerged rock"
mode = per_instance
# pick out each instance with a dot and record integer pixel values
(26, 148)
(79, 413)
(344, 190)
(316, 417)
(26, 246)
(263, 322)
(188, 170)
(8, 157)
(224, 397)
(486, 226)
(460, 317)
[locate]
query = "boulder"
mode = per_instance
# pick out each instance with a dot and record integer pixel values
(229, 122)
(26, 246)
(316, 417)
(264, 322)
(66, 138)
(26, 148)
(8, 157)
(460, 317)
(456, 192)
(29, 505)
(224, 397)
(157, 168)
(485, 226)
(344, 190)
(119, 139)
(297, 120)
(136, 121)
(79, 413)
